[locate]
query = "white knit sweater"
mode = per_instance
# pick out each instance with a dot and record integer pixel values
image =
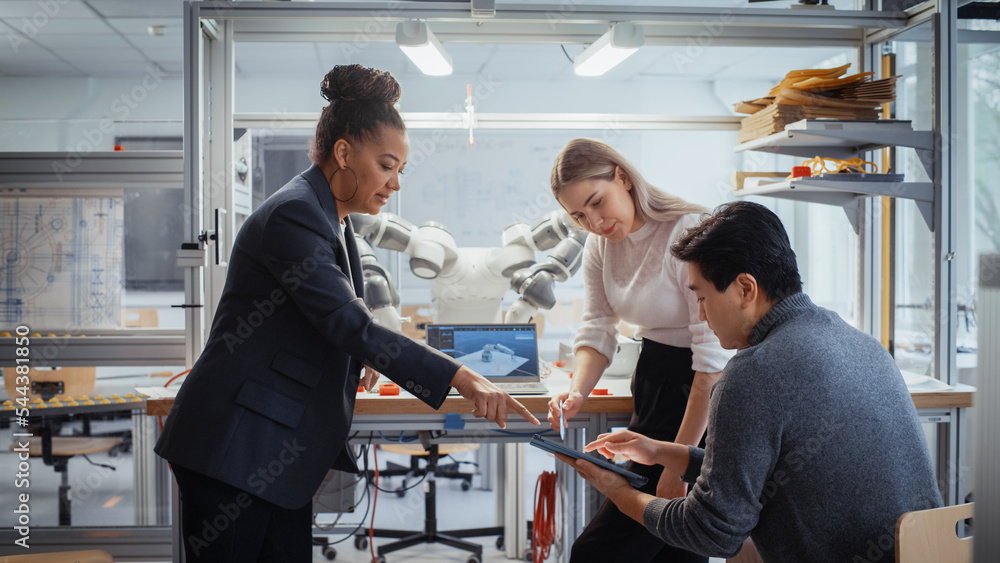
(637, 280)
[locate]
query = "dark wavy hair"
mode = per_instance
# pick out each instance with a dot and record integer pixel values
(742, 237)
(361, 100)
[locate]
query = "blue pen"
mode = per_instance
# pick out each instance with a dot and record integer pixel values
(562, 423)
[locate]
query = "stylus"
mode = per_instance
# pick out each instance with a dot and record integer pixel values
(562, 423)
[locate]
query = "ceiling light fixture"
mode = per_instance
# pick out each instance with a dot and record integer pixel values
(419, 43)
(613, 47)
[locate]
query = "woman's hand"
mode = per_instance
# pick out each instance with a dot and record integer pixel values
(670, 485)
(370, 378)
(636, 447)
(571, 404)
(489, 401)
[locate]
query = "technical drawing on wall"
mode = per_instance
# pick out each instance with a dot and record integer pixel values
(62, 262)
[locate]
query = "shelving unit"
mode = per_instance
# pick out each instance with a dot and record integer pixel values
(846, 194)
(846, 139)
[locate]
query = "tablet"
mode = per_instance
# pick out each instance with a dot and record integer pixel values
(633, 479)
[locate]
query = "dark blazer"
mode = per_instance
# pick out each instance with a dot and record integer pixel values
(268, 405)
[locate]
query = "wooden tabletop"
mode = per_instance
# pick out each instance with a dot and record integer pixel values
(370, 404)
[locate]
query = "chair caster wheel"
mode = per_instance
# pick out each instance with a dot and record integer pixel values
(475, 559)
(527, 555)
(466, 485)
(361, 542)
(380, 559)
(329, 553)
(500, 543)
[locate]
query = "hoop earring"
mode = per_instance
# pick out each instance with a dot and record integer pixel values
(355, 184)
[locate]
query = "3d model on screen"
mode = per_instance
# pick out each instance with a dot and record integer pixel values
(469, 283)
(490, 348)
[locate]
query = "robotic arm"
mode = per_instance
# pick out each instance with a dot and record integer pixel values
(490, 348)
(469, 283)
(431, 247)
(380, 293)
(534, 283)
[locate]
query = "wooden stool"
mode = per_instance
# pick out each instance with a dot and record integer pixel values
(88, 556)
(929, 536)
(56, 451)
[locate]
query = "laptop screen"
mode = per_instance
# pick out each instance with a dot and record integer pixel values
(497, 352)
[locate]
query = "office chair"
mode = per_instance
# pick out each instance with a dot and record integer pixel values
(56, 451)
(430, 533)
(929, 536)
(414, 470)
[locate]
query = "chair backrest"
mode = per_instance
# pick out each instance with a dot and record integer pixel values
(930, 536)
(87, 556)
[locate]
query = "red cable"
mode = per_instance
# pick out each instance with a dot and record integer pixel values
(371, 527)
(167, 384)
(171, 380)
(543, 527)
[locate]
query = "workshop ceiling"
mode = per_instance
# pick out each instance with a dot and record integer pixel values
(121, 38)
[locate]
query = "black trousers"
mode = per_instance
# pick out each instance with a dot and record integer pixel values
(660, 389)
(223, 524)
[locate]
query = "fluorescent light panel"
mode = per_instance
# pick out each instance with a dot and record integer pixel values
(423, 48)
(610, 49)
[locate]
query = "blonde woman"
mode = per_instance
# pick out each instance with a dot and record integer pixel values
(630, 275)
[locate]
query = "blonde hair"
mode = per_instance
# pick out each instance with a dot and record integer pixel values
(586, 159)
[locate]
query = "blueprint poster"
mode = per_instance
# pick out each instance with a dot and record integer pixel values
(61, 266)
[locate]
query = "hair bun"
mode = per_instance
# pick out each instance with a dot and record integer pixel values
(350, 83)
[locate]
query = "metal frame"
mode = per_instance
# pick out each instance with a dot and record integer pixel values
(212, 27)
(446, 120)
(945, 117)
(100, 173)
(101, 170)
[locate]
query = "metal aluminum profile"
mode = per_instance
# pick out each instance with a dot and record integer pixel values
(445, 120)
(548, 23)
(987, 479)
(448, 11)
(103, 170)
(945, 126)
(716, 33)
(194, 40)
(107, 348)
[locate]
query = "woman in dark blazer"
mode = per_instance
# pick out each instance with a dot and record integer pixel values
(266, 409)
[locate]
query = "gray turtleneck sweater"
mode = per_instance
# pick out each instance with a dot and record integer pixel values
(814, 448)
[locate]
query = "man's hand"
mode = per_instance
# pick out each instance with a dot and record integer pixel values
(572, 402)
(607, 482)
(488, 400)
(670, 485)
(369, 378)
(636, 447)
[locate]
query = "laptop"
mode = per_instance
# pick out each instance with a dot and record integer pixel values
(507, 355)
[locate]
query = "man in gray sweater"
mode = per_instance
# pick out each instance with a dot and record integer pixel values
(814, 448)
